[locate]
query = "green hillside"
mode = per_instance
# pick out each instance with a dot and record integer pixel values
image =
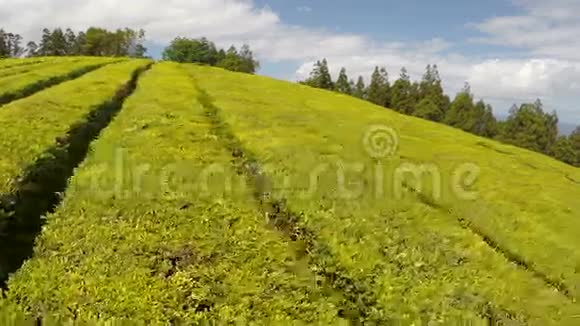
(181, 194)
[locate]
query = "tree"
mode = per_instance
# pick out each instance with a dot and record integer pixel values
(71, 40)
(431, 88)
(379, 88)
(134, 43)
(404, 94)
(352, 86)
(461, 112)
(10, 44)
(203, 51)
(120, 43)
(360, 88)
(485, 123)
(325, 80)
(476, 118)
(248, 63)
(45, 47)
(231, 60)
(97, 42)
(320, 76)
(563, 150)
(58, 43)
(79, 43)
(530, 127)
(427, 109)
(4, 51)
(342, 84)
(94, 42)
(31, 49)
(221, 55)
(194, 51)
(575, 138)
(575, 141)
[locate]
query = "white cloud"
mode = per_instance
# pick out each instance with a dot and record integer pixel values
(546, 32)
(524, 79)
(162, 21)
(547, 28)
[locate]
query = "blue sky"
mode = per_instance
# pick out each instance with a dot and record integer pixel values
(510, 51)
(457, 23)
(410, 20)
(394, 21)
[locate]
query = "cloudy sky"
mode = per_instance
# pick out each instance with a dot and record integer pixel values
(508, 50)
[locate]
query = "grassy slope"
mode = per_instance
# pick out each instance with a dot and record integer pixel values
(527, 203)
(34, 123)
(14, 62)
(9, 63)
(416, 257)
(164, 249)
(27, 66)
(15, 83)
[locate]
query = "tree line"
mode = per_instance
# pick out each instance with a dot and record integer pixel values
(126, 42)
(527, 125)
(203, 51)
(94, 41)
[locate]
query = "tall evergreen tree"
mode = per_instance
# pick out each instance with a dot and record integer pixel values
(461, 112)
(58, 41)
(71, 40)
(79, 44)
(221, 55)
(476, 118)
(45, 46)
(379, 89)
(530, 127)
(403, 94)
(325, 81)
(485, 123)
(360, 88)
(352, 86)
(342, 84)
(320, 76)
(430, 88)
